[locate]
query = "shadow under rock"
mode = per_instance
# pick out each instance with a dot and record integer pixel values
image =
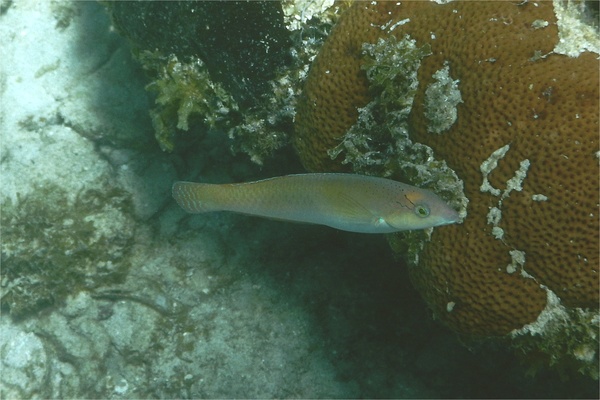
(112, 83)
(377, 329)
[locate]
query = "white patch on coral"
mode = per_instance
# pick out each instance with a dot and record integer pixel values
(553, 312)
(297, 12)
(494, 216)
(555, 323)
(516, 182)
(397, 24)
(517, 260)
(539, 23)
(441, 99)
(575, 34)
(498, 233)
(539, 197)
(488, 166)
(525, 274)
(400, 23)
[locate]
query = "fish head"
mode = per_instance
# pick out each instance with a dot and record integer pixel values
(420, 209)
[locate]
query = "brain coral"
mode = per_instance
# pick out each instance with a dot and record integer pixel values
(525, 144)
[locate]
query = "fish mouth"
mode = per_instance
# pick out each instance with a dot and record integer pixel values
(448, 217)
(452, 217)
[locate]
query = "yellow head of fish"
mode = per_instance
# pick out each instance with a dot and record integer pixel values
(425, 210)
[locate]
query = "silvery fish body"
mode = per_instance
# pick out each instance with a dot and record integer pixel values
(348, 202)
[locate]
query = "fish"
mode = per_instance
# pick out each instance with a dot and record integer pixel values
(349, 202)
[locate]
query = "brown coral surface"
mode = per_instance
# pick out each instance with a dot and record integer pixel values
(486, 276)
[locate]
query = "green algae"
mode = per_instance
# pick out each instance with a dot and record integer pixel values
(391, 66)
(233, 67)
(49, 253)
(242, 44)
(187, 98)
(185, 90)
(380, 144)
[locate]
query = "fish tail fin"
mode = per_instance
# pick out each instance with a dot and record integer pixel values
(194, 197)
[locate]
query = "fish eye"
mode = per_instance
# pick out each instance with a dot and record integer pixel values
(421, 211)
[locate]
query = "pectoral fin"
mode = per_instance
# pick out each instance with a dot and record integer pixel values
(351, 209)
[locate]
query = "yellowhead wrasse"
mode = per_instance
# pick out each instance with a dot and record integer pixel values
(355, 203)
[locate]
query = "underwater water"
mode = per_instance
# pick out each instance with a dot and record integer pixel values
(110, 290)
